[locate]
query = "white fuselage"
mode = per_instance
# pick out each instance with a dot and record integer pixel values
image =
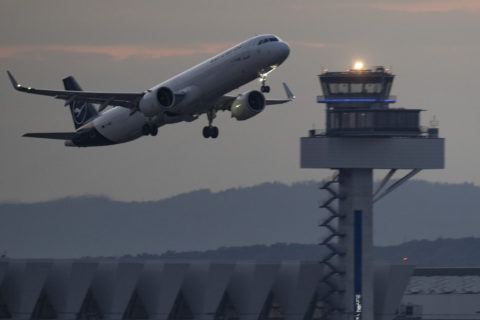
(199, 87)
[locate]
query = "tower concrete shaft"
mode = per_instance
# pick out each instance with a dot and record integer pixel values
(356, 208)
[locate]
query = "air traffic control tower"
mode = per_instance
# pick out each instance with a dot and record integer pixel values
(362, 133)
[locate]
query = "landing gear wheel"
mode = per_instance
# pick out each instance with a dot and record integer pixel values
(210, 132)
(146, 130)
(265, 89)
(206, 132)
(214, 132)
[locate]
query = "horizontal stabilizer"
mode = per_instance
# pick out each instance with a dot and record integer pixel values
(51, 135)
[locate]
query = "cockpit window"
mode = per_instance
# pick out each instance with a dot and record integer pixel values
(273, 39)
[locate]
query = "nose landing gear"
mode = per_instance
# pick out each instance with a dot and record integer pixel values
(264, 88)
(263, 78)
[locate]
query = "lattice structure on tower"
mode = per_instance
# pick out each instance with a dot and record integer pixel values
(333, 271)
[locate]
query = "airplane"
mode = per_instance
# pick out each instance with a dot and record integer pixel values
(199, 90)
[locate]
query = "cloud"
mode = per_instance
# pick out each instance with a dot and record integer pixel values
(423, 6)
(117, 52)
(312, 44)
(409, 6)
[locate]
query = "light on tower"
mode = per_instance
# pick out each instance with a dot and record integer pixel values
(358, 65)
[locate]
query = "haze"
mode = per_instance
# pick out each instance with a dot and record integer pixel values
(432, 47)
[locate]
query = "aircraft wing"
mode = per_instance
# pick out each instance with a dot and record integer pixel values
(51, 135)
(127, 100)
(225, 102)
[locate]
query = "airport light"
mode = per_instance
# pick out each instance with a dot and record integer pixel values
(358, 65)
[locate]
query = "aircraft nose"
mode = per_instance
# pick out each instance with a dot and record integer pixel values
(283, 51)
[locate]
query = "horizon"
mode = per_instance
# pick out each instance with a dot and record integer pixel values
(211, 191)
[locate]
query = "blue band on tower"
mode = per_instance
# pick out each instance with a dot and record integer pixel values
(355, 100)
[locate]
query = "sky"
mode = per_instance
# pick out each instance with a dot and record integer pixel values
(432, 47)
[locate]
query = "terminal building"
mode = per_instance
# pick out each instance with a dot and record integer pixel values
(121, 289)
(442, 293)
(116, 289)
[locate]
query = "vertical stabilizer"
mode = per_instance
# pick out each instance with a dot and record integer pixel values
(82, 112)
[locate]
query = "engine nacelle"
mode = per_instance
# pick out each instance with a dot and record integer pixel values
(247, 105)
(155, 101)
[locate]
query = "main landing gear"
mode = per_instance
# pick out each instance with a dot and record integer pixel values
(210, 131)
(149, 129)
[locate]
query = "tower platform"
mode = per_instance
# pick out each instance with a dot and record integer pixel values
(324, 151)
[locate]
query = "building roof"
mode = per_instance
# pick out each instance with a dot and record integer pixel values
(444, 281)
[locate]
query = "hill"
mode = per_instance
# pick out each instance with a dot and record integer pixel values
(260, 215)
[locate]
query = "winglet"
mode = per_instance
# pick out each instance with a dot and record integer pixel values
(18, 86)
(289, 93)
(13, 81)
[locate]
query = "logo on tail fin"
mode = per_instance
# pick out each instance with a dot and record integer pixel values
(79, 112)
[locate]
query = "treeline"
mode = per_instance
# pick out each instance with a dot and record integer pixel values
(463, 252)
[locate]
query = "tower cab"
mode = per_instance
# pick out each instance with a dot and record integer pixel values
(358, 103)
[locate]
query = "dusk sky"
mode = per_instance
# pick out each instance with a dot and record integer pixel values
(433, 48)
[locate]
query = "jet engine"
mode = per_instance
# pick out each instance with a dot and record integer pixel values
(247, 105)
(155, 101)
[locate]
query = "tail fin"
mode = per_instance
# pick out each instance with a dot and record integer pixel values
(82, 112)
